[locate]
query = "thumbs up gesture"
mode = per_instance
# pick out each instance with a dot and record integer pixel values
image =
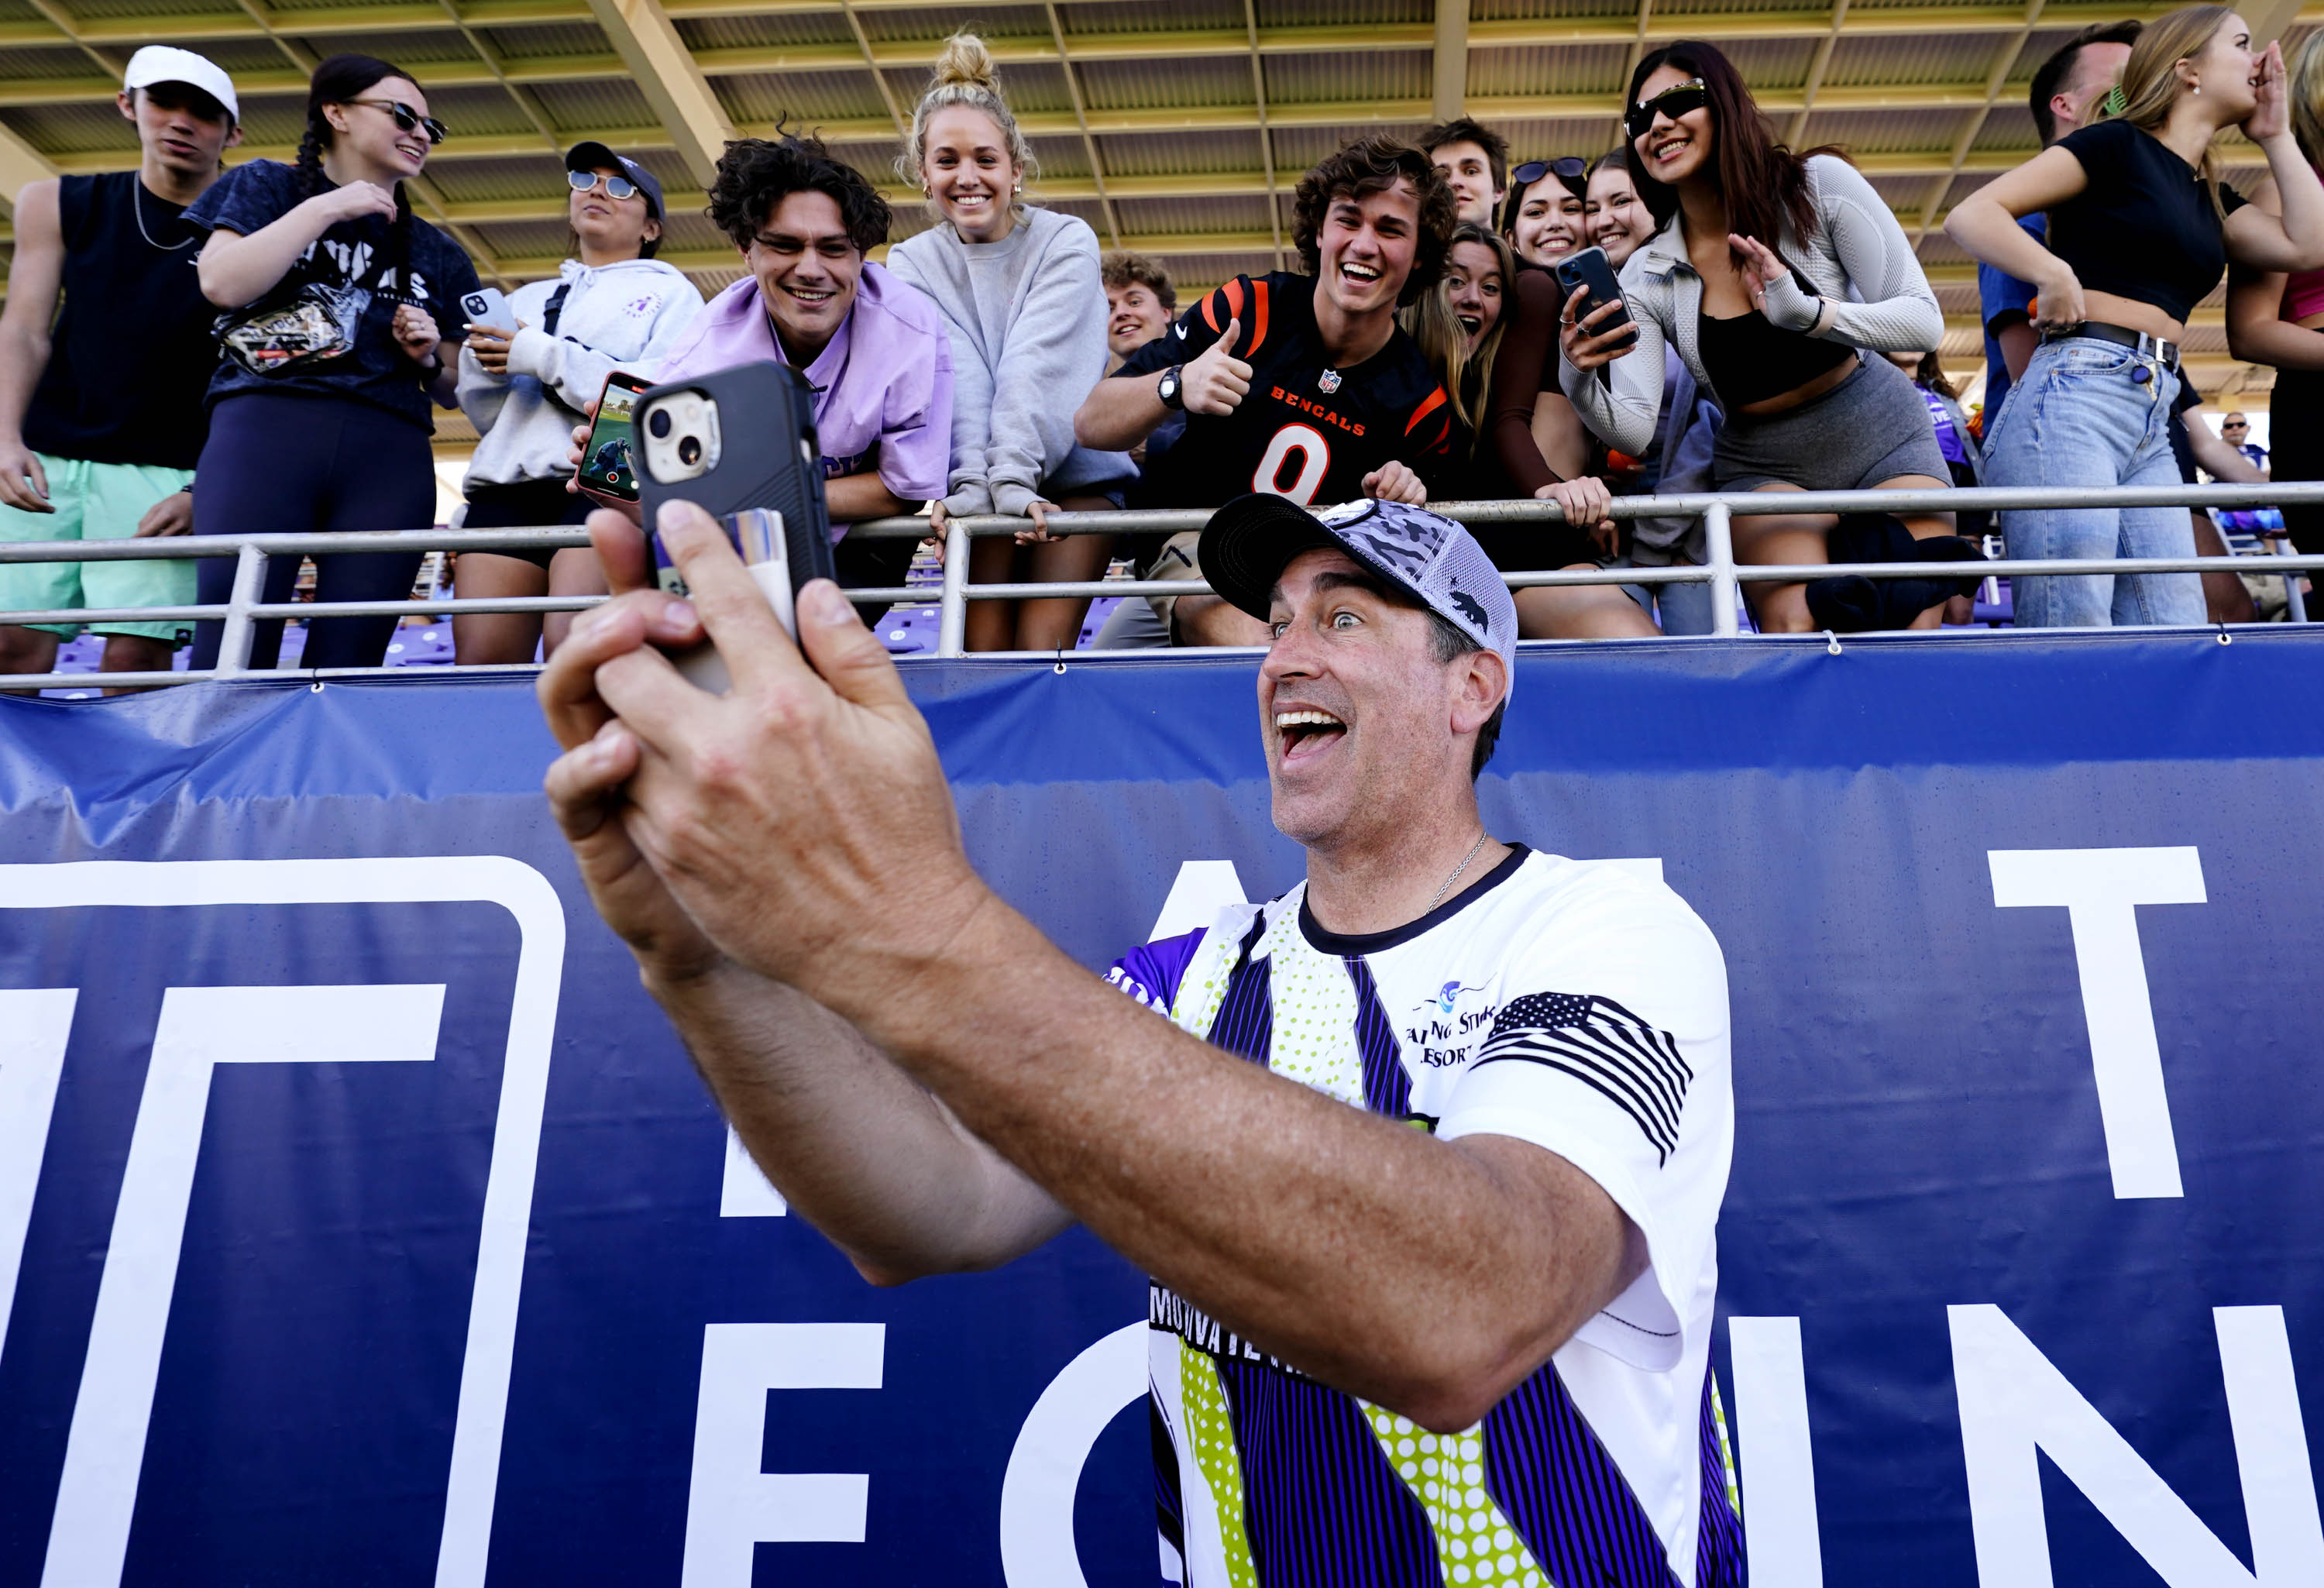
(1216, 382)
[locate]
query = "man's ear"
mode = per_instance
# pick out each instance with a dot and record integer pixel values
(126, 98)
(1482, 685)
(233, 137)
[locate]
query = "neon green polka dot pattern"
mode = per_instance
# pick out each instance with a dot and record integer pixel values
(1315, 1035)
(1726, 1452)
(1205, 986)
(1211, 1426)
(1476, 1546)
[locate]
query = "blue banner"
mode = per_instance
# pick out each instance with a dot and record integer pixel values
(361, 1221)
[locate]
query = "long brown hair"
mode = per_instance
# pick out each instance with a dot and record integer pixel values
(1764, 181)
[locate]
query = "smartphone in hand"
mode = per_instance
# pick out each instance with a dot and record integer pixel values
(488, 309)
(1590, 269)
(609, 470)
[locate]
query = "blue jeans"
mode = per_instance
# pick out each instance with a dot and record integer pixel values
(2081, 416)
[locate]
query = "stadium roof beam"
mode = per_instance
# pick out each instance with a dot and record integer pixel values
(525, 98)
(1816, 69)
(1266, 137)
(1081, 119)
(666, 72)
(1449, 45)
(863, 47)
(2004, 59)
(20, 165)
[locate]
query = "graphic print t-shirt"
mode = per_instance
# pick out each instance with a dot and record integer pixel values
(1570, 1004)
(1305, 430)
(357, 254)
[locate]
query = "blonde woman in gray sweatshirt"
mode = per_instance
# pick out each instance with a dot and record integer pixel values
(1018, 289)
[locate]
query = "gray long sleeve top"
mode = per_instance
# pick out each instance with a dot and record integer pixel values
(1026, 316)
(1859, 261)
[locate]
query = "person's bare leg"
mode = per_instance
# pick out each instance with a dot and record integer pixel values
(136, 653)
(1792, 539)
(27, 651)
(991, 625)
(484, 637)
(2227, 599)
(1055, 624)
(1580, 612)
(1208, 620)
(573, 571)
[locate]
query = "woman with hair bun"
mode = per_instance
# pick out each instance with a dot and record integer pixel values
(2141, 230)
(342, 321)
(1020, 289)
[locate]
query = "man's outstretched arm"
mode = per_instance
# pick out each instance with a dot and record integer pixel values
(805, 823)
(855, 1145)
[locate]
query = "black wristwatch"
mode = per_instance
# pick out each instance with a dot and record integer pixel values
(1170, 388)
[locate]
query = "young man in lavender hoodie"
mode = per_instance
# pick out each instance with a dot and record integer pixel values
(875, 350)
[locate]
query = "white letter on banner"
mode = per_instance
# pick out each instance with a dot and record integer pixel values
(1203, 889)
(1045, 1468)
(1776, 1463)
(731, 1504)
(34, 1026)
(2101, 890)
(2014, 1402)
(201, 1028)
(744, 1192)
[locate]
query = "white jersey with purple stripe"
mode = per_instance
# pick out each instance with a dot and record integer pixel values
(1571, 1004)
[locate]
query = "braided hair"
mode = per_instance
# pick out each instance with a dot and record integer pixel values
(337, 81)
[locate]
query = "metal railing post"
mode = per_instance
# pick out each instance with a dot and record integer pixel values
(1717, 534)
(951, 607)
(249, 582)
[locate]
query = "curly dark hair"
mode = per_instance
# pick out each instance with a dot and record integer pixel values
(1365, 167)
(755, 174)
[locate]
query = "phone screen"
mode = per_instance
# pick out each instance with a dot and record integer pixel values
(607, 467)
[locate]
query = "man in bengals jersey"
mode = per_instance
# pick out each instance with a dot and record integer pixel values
(1301, 385)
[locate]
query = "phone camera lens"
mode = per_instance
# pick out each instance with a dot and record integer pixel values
(659, 423)
(689, 450)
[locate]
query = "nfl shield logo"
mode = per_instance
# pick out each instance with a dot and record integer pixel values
(1329, 380)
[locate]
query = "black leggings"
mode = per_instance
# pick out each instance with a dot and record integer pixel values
(289, 464)
(2295, 439)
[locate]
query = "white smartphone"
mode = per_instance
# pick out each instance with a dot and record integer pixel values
(757, 534)
(487, 308)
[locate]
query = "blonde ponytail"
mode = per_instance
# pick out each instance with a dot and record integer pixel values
(966, 74)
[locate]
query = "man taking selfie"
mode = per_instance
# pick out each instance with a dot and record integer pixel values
(101, 406)
(1425, 1157)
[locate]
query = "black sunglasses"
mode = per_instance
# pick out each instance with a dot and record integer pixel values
(582, 181)
(1692, 95)
(407, 118)
(1567, 167)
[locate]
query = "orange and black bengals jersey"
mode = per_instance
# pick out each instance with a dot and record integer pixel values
(1304, 430)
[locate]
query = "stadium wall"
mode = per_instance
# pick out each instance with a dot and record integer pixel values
(361, 1221)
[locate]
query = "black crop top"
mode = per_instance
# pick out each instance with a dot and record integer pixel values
(1750, 361)
(2143, 228)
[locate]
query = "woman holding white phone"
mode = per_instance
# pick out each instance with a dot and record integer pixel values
(525, 383)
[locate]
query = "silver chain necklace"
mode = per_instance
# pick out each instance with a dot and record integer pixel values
(1457, 870)
(137, 208)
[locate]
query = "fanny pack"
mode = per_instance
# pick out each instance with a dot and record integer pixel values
(315, 324)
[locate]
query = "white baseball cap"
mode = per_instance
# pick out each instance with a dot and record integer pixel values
(165, 64)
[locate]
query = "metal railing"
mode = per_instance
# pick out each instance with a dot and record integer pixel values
(1722, 571)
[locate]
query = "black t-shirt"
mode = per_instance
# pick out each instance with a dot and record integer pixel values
(361, 255)
(131, 352)
(1304, 430)
(2143, 228)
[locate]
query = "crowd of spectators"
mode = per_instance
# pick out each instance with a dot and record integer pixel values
(1774, 332)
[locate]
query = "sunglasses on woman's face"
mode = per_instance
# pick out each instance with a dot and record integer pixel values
(615, 187)
(407, 118)
(1672, 102)
(1569, 167)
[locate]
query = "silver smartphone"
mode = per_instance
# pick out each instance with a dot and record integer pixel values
(486, 307)
(757, 535)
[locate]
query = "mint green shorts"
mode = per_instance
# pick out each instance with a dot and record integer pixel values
(96, 502)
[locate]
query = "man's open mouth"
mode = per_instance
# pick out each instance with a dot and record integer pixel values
(1307, 732)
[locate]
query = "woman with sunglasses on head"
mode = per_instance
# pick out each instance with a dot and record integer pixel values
(1020, 291)
(1771, 273)
(612, 307)
(2141, 230)
(342, 321)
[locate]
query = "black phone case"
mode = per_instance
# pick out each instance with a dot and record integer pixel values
(765, 412)
(1570, 274)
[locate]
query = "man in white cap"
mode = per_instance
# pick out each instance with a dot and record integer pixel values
(1425, 1160)
(101, 406)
